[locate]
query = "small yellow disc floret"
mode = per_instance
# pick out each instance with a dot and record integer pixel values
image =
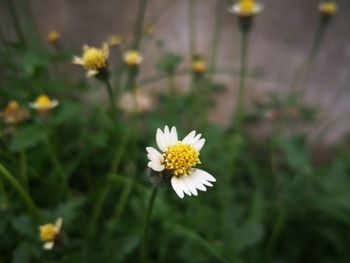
(247, 7)
(43, 101)
(180, 158)
(199, 66)
(12, 106)
(132, 58)
(53, 36)
(94, 58)
(328, 8)
(48, 232)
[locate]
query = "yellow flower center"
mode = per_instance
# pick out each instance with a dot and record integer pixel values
(132, 58)
(43, 101)
(328, 8)
(180, 158)
(199, 66)
(114, 40)
(247, 7)
(94, 58)
(12, 106)
(48, 232)
(53, 36)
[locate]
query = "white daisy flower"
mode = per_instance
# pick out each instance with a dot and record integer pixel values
(177, 160)
(49, 232)
(246, 8)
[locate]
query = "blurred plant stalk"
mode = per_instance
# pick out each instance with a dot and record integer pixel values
(144, 251)
(302, 75)
(32, 208)
(238, 116)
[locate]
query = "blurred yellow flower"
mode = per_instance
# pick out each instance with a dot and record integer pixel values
(53, 36)
(199, 66)
(246, 8)
(114, 40)
(13, 113)
(150, 29)
(93, 59)
(49, 232)
(43, 104)
(132, 58)
(139, 101)
(328, 8)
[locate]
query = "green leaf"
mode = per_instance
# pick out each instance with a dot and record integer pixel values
(169, 63)
(27, 137)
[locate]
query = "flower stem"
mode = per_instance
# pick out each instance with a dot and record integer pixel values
(33, 210)
(192, 26)
(56, 163)
(304, 71)
(277, 228)
(216, 39)
(140, 23)
(16, 21)
(111, 99)
(239, 113)
(144, 254)
(107, 188)
(23, 160)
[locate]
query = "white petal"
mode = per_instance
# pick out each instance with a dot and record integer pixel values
(181, 182)
(198, 145)
(188, 139)
(168, 137)
(207, 183)
(48, 245)
(91, 73)
(154, 155)
(177, 187)
(198, 181)
(59, 223)
(196, 139)
(190, 182)
(78, 61)
(157, 167)
(173, 136)
(33, 105)
(205, 175)
(160, 139)
(54, 103)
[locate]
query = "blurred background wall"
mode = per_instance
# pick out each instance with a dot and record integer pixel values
(280, 41)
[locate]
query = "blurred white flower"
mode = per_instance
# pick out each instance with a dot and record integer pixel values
(178, 159)
(137, 101)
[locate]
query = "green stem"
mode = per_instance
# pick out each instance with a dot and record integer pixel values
(239, 113)
(33, 210)
(216, 39)
(192, 27)
(241, 92)
(96, 211)
(304, 71)
(16, 21)
(144, 252)
(111, 99)
(23, 160)
(276, 231)
(56, 163)
(140, 23)
(123, 199)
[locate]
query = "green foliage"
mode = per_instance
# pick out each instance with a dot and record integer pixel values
(273, 201)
